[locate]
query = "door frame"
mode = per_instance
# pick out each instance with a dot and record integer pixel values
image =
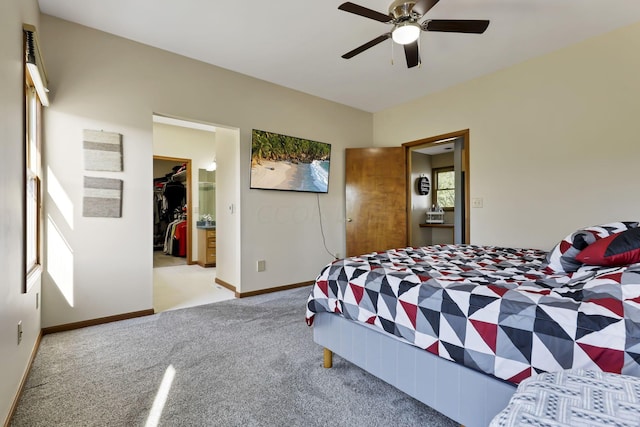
(189, 190)
(433, 141)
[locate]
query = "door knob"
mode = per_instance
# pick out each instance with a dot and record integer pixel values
(349, 220)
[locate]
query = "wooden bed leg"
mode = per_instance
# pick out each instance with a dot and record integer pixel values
(328, 358)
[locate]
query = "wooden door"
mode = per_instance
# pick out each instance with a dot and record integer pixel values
(376, 199)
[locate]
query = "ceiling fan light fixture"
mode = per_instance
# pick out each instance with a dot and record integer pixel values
(406, 32)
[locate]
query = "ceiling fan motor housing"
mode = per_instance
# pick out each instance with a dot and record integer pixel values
(402, 10)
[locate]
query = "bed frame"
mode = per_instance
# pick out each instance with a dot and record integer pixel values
(467, 396)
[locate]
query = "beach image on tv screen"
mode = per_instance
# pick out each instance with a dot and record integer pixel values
(282, 162)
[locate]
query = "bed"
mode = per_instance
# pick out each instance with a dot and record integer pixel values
(459, 326)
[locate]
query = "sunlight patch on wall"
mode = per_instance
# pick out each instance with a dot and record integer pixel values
(60, 197)
(59, 261)
(161, 397)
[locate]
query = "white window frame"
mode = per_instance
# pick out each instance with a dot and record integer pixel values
(32, 179)
(436, 185)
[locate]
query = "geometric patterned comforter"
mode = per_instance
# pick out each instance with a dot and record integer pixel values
(495, 310)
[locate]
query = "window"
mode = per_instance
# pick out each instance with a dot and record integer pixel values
(444, 188)
(33, 88)
(32, 202)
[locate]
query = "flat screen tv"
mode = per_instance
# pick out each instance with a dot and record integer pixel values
(282, 162)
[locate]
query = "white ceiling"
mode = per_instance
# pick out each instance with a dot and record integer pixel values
(298, 43)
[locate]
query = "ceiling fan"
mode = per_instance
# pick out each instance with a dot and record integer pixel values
(404, 15)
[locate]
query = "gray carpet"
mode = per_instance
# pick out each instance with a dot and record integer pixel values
(245, 362)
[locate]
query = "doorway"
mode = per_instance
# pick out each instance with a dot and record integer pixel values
(171, 205)
(446, 157)
(194, 144)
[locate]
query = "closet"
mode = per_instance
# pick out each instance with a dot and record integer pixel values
(170, 207)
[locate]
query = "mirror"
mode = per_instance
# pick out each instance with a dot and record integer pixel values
(207, 193)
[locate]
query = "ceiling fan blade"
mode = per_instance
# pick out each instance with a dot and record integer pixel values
(363, 11)
(423, 6)
(474, 26)
(412, 54)
(366, 46)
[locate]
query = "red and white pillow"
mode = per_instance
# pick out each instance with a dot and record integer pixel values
(616, 250)
(563, 257)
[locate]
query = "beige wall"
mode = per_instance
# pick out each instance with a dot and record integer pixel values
(14, 305)
(442, 160)
(553, 140)
(228, 209)
(99, 81)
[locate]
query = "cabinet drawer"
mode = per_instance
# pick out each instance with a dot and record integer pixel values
(211, 243)
(211, 254)
(211, 234)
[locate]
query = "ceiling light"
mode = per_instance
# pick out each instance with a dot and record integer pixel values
(405, 33)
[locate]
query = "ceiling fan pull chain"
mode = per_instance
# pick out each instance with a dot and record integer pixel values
(392, 53)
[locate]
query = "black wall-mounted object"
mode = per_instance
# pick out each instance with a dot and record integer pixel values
(423, 185)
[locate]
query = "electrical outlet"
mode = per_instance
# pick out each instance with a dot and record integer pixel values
(476, 202)
(261, 265)
(19, 332)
